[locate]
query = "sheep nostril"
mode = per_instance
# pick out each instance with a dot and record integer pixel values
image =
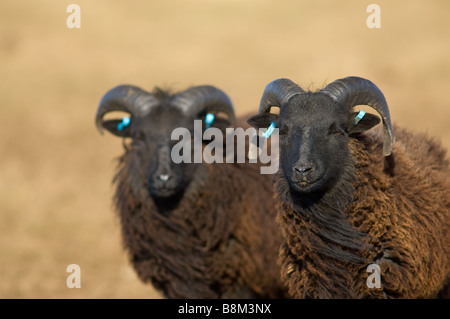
(164, 177)
(303, 169)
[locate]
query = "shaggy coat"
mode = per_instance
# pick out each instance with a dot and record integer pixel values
(218, 240)
(392, 212)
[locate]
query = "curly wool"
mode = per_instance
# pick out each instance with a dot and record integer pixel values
(219, 240)
(394, 214)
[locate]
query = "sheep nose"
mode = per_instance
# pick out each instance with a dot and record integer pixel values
(164, 177)
(304, 169)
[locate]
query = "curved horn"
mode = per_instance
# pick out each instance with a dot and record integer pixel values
(352, 91)
(127, 98)
(277, 93)
(204, 98)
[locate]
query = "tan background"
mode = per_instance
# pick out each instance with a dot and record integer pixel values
(56, 170)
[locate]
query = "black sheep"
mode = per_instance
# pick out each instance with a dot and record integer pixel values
(345, 210)
(194, 230)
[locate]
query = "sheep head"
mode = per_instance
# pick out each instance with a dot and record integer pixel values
(315, 127)
(152, 118)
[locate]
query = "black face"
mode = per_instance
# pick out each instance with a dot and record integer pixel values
(152, 147)
(314, 134)
(313, 142)
(151, 165)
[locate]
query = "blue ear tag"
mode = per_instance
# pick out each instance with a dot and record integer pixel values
(269, 130)
(125, 122)
(359, 116)
(209, 119)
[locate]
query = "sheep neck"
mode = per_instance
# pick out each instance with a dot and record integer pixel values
(190, 216)
(321, 244)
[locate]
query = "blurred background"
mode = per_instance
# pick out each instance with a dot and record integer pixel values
(56, 169)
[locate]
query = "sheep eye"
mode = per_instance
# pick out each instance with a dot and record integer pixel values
(334, 130)
(140, 137)
(283, 130)
(338, 132)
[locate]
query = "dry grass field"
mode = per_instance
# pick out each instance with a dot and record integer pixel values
(56, 169)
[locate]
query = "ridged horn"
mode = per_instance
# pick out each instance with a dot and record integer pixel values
(204, 99)
(127, 98)
(352, 91)
(277, 93)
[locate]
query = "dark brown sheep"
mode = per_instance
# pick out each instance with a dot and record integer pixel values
(342, 206)
(214, 236)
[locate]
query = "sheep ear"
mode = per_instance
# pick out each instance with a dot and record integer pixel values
(118, 127)
(262, 120)
(359, 122)
(216, 121)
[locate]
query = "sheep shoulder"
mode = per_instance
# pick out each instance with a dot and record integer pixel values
(405, 212)
(190, 243)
